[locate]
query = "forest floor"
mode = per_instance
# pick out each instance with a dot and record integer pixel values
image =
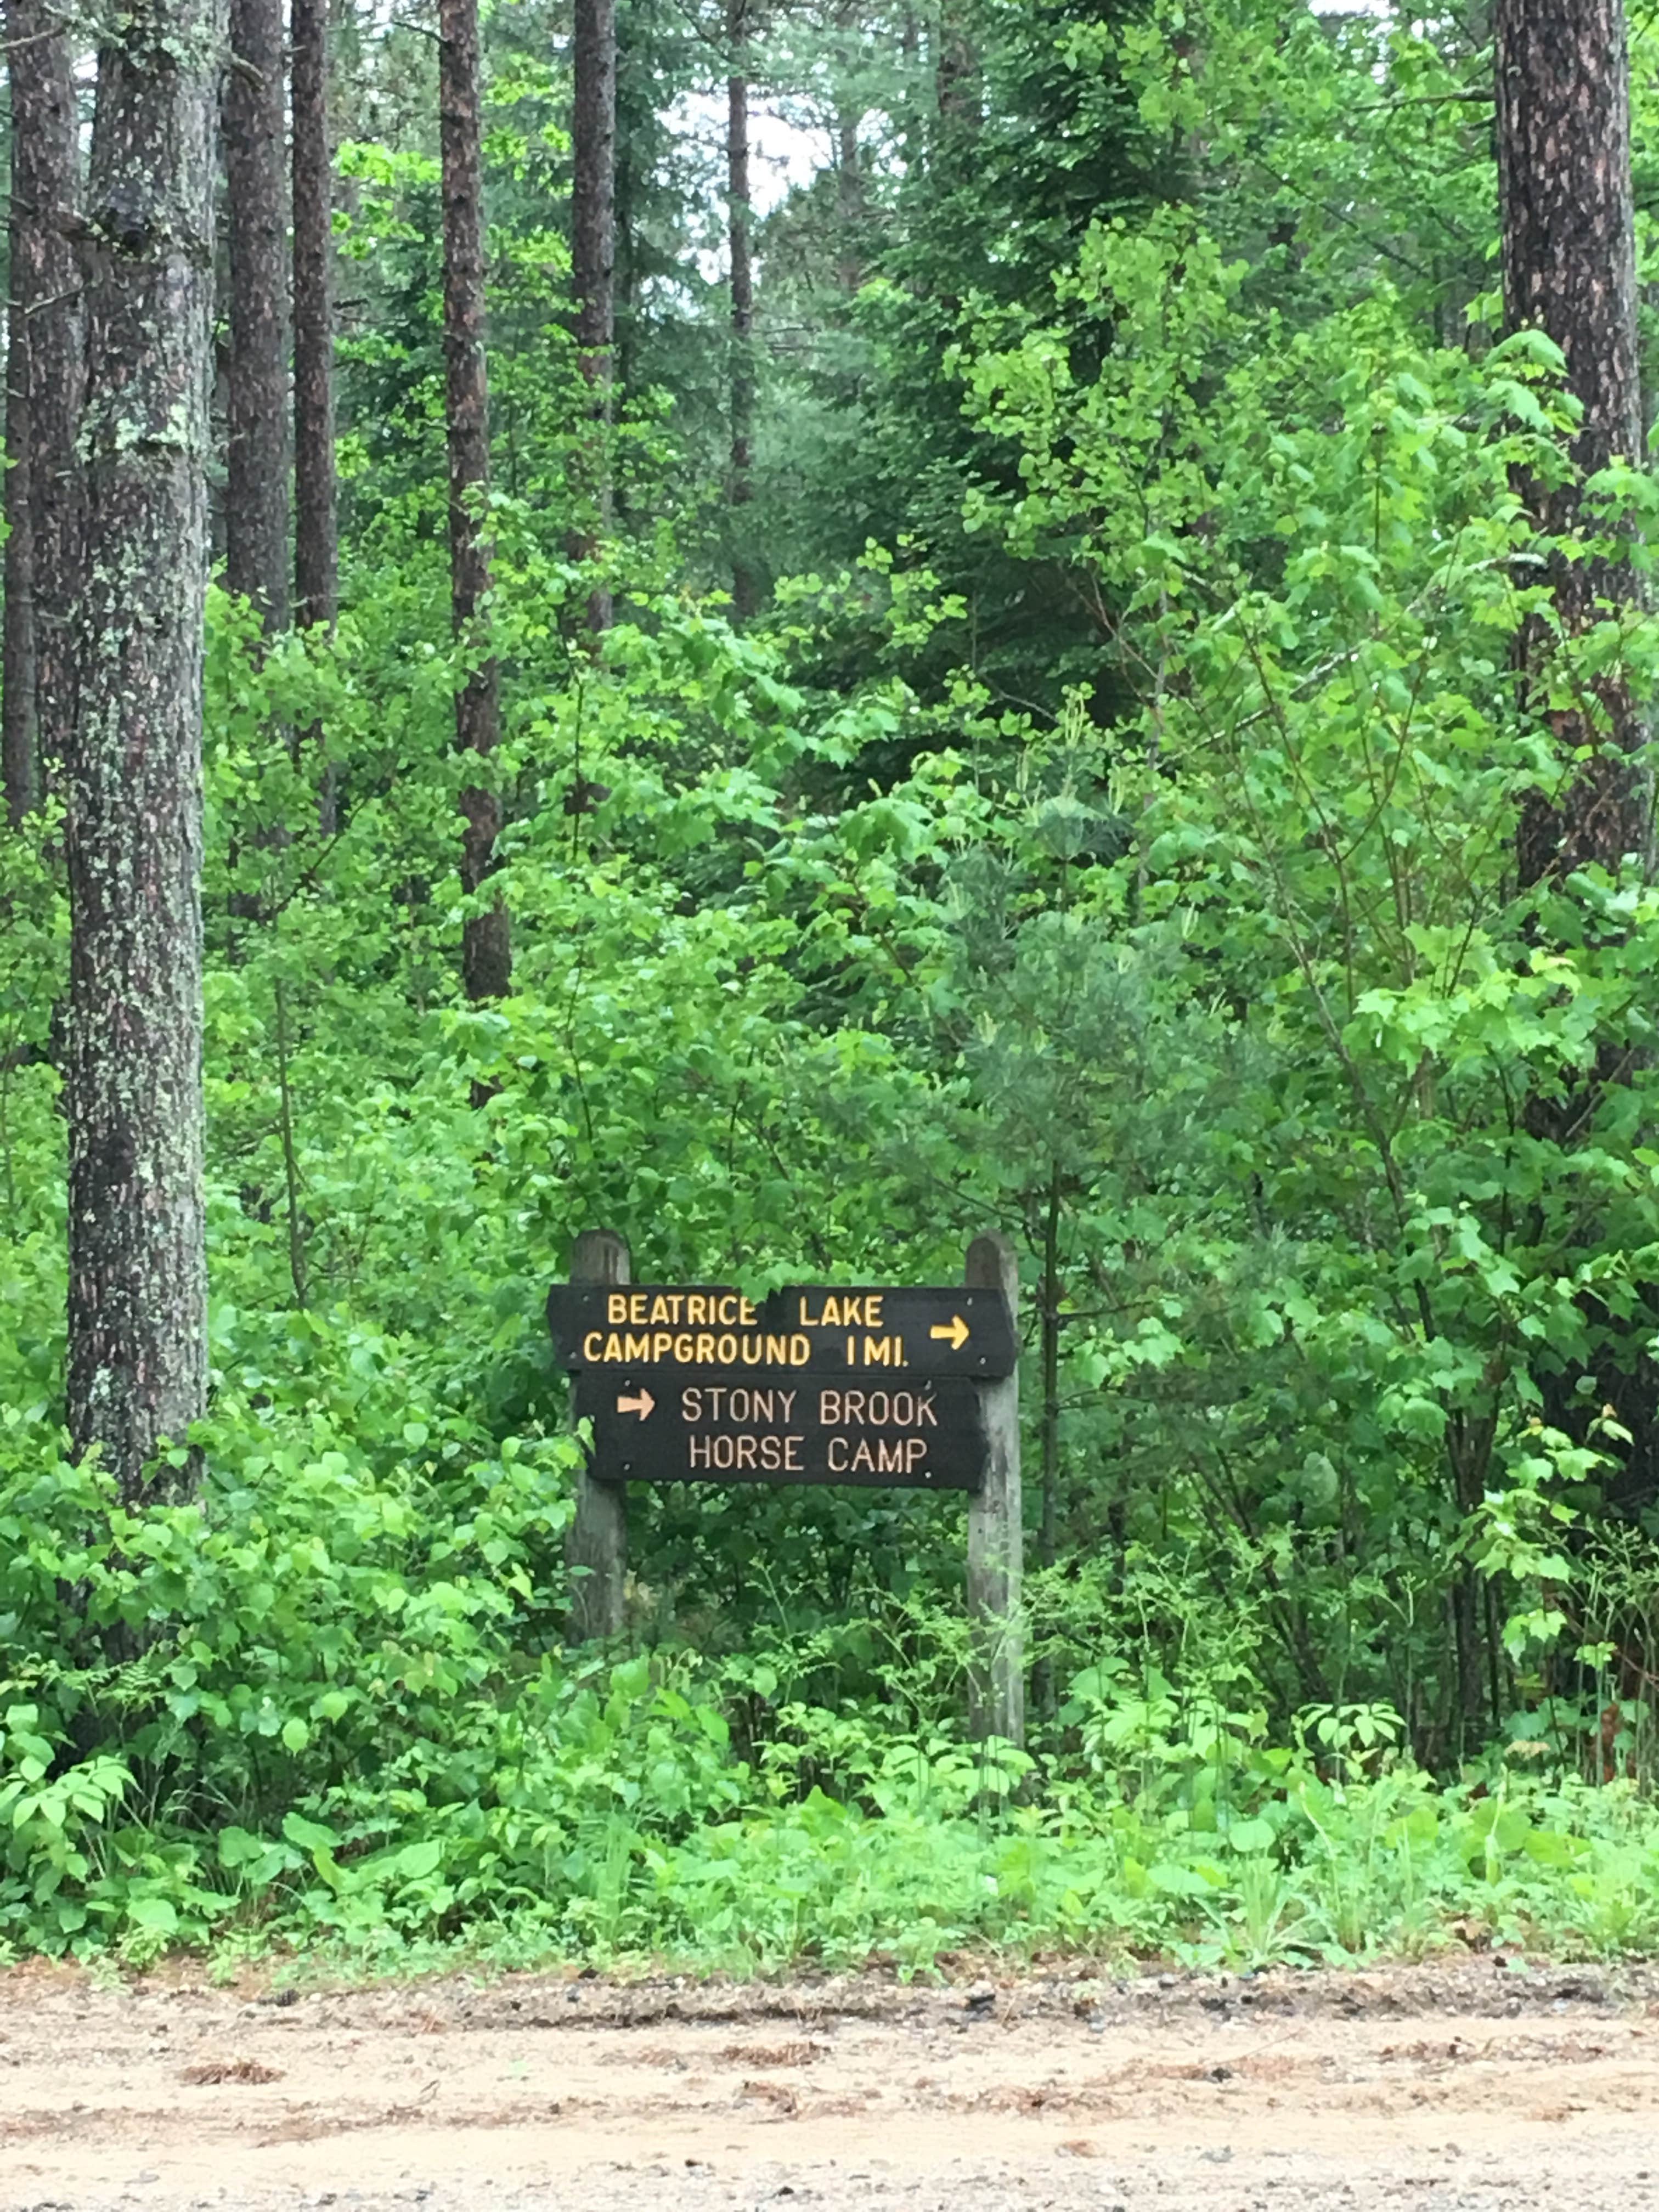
(1481, 2085)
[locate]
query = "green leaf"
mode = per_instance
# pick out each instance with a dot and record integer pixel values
(307, 1834)
(1250, 1836)
(157, 1915)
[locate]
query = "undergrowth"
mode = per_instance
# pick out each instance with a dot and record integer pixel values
(323, 1706)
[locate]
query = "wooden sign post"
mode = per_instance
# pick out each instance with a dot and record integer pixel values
(598, 1539)
(996, 1531)
(908, 1388)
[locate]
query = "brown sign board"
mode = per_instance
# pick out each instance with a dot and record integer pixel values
(691, 1332)
(822, 1384)
(748, 1425)
(912, 1387)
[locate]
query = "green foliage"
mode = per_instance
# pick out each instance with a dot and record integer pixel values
(401, 1776)
(1106, 834)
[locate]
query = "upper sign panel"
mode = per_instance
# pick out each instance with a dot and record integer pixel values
(819, 1330)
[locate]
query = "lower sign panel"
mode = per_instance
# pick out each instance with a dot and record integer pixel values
(733, 1427)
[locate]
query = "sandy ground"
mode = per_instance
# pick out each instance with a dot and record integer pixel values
(1488, 2087)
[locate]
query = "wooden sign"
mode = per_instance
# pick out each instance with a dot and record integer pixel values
(911, 1388)
(751, 1425)
(962, 1332)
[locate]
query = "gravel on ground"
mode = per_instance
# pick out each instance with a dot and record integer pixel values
(1493, 2084)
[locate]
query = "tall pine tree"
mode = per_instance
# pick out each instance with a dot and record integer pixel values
(739, 219)
(137, 1276)
(256, 463)
(593, 254)
(316, 498)
(44, 372)
(486, 946)
(316, 527)
(1569, 261)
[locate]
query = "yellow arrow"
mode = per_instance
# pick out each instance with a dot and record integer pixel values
(641, 1405)
(957, 1336)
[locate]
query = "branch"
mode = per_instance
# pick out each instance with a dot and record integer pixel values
(1421, 100)
(53, 30)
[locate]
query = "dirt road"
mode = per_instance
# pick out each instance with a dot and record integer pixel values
(1483, 2087)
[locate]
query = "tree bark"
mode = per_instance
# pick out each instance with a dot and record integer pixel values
(316, 523)
(626, 285)
(849, 165)
(1569, 267)
(43, 395)
(17, 684)
(849, 203)
(137, 1302)
(256, 461)
(593, 258)
(316, 498)
(1569, 263)
(740, 488)
(486, 946)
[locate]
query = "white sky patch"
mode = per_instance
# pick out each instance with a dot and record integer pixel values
(781, 154)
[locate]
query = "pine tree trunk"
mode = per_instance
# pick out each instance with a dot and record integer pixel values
(256, 462)
(593, 256)
(17, 684)
(486, 947)
(316, 524)
(849, 166)
(316, 500)
(44, 384)
(137, 1304)
(740, 489)
(626, 288)
(849, 204)
(1569, 266)
(1568, 260)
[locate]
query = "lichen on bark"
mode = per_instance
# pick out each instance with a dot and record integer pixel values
(137, 1301)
